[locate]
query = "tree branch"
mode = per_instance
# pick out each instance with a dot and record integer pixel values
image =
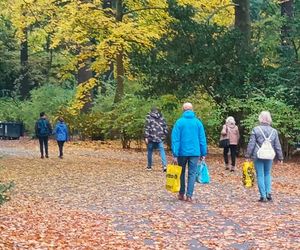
(219, 9)
(145, 8)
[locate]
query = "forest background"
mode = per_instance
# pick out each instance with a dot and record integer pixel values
(102, 64)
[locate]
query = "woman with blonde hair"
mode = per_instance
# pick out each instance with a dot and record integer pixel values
(231, 132)
(263, 159)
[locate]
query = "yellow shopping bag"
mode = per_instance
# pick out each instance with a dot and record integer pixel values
(248, 174)
(173, 178)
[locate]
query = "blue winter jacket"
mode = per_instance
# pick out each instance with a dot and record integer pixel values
(61, 131)
(188, 136)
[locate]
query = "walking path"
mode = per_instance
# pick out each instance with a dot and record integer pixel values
(105, 199)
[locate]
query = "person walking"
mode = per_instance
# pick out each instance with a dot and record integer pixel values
(188, 145)
(62, 135)
(231, 132)
(156, 130)
(42, 130)
(264, 137)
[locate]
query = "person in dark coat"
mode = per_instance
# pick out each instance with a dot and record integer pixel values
(156, 130)
(62, 135)
(42, 130)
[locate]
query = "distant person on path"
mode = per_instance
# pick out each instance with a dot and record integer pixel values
(231, 132)
(156, 130)
(62, 135)
(188, 145)
(263, 167)
(42, 130)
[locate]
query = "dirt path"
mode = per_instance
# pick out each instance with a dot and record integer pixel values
(102, 198)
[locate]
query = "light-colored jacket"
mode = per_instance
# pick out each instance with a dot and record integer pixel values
(232, 133)
(257, 139)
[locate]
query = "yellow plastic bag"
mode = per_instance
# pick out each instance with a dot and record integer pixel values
(248, 174)
(173, 178)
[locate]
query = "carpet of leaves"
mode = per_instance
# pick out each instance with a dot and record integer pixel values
(101, 197)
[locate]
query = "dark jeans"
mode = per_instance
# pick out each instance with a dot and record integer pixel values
(60, 147)
(233, 151)
(43, 140)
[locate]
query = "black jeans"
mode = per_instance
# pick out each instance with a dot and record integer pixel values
(60, 147)
(233, 149)
(43, 140)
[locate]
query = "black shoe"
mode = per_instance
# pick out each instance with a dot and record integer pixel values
(47, 156)
(42, 157)
(269, 197)
(262, 199)
(164, 169)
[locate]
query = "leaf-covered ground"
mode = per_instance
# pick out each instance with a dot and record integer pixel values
(99, 197)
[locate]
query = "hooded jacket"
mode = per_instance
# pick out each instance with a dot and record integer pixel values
(61, 131)
(156, 128)
(188, 136)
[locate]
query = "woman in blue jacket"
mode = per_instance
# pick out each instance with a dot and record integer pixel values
(62, 135)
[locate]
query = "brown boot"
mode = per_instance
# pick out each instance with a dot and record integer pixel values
(181, 197)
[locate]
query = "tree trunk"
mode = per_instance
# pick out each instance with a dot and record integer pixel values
(120, 77)
(84, 75)
(24, 77)
(287, 12)
(119, 58)
(242, 20)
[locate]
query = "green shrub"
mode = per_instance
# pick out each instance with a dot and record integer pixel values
(4, 191)
(10, 109)
(285, 118)
(48, 98)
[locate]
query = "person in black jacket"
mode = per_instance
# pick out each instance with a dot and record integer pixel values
(42, 130)
(156, 130)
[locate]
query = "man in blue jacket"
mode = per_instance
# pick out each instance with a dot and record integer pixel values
(188, 145)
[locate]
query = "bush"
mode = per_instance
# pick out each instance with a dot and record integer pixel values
(286, 119)
(4, 189)
(10, 109)
(48, 98)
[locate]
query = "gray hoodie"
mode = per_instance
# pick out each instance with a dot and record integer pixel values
(257, 138)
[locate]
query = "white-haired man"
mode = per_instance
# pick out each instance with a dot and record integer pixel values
(188, 145)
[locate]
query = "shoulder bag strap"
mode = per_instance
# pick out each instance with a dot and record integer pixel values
(262, 132)
(269, 138)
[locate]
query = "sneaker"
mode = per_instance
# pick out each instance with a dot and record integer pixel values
(269, 197)
(262, 199)
(181, 197)
(149, 168)
(164, 169)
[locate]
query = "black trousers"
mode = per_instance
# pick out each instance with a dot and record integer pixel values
(43, 140)
(60, 147)
(233, 150)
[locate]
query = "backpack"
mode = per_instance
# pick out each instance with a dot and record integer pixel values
(43, 129)
(266, 151)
